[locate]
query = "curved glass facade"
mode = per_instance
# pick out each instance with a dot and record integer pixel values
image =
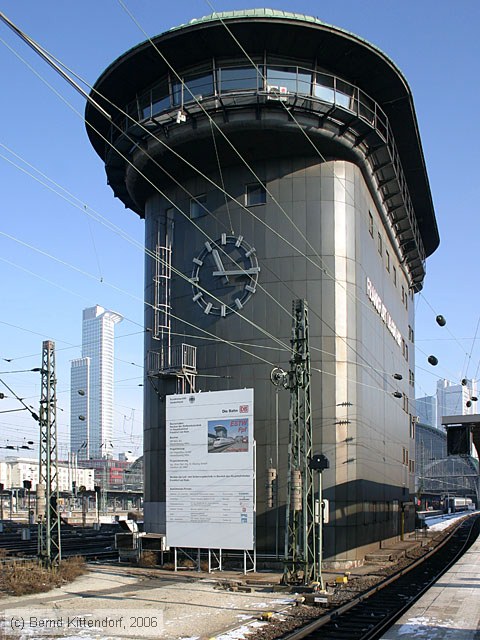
(277, 80)
(319, 91)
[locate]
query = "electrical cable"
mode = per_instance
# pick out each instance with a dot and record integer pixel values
(283, 345)
(157, 163)
(212, 122)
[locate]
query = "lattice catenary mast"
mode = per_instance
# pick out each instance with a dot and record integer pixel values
(49, 539)
(300, 560)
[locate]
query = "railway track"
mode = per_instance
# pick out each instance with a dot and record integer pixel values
(370, 614)
(89, 544)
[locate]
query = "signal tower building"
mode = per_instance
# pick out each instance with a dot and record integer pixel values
(274, 157)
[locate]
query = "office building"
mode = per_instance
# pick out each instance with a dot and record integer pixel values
(456, 399)
(450, 399)
(295, 172)
(427, 410)
(91, 386)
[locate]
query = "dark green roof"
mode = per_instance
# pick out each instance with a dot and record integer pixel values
(267, 13)
(286, 35)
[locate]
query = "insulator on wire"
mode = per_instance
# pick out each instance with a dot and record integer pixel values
(433, 360)
(441, 321)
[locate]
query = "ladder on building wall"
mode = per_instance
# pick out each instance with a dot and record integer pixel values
(178, 361)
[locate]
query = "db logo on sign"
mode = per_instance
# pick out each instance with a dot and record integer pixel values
(244, 408)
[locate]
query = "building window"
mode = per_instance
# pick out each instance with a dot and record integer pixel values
(405, 296)
(413, 421)
(290, 79)
(238, 79)
(370, 223)
(387, 260)
(255, 194)
(405, 403)
(197, 206)
(411, 334)
(394, 276)
(379, 243)
(412, 466)
(411, 377)
(194, 87)
(405, 456)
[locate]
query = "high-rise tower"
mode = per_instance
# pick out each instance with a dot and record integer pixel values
(275, 157)
(91, 400)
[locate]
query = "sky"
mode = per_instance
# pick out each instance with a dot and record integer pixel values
(57, 259)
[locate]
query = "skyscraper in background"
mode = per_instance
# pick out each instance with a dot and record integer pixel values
(427, 410)
(450, 400)
(91, 386)
(455, 399)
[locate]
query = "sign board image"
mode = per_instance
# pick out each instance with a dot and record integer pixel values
(210, 470)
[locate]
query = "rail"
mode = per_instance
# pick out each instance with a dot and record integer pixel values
(410, 590)
(163, 103)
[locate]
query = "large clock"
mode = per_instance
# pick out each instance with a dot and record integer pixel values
(224, 275)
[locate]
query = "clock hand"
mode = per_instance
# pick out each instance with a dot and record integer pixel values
(237, 272)
(218, 261)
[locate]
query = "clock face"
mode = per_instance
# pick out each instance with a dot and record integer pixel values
(224, 275)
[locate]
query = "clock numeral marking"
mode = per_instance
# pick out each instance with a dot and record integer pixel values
(239, 274)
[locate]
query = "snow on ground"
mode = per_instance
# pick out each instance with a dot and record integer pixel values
(438, 523)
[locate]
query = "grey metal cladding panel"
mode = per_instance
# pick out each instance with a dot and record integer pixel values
(299, 219)
(314, 297)
(327, 186)
(294, 268)
(298, 187)
(285, 192)
(312, 187)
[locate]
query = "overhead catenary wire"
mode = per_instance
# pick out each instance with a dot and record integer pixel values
(211, 123)
(212, 336)
(179, 273)
(198, 102)
(64, 100)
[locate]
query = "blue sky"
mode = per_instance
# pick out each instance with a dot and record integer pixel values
(435, 44)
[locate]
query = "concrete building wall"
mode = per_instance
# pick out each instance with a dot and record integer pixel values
(15, 470)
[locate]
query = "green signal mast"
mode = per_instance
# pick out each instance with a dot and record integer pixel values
(300, 559)
(49, 539)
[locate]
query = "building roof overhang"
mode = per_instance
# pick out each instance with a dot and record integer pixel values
(286, 35)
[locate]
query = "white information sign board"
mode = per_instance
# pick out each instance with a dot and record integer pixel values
(210, 470)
